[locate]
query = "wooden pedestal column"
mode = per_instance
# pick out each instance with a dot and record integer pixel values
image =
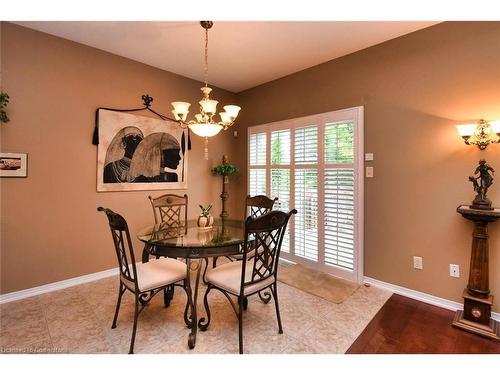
(476, 315)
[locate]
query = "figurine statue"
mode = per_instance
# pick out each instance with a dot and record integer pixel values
(481, 201)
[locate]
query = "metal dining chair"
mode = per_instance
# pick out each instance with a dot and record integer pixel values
(144, 280)
(254, 207)
(246, 277)
(171, 211)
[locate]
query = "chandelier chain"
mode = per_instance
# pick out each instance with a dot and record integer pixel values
(206, 57)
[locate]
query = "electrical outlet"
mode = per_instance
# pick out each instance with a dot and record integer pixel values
(454, 270)
(369, 172)
(418, 263)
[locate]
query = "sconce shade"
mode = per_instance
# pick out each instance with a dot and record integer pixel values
(495, 126)
(466, 130)
(181, 110)
(209, 106)
(232, 110)
(481, 135)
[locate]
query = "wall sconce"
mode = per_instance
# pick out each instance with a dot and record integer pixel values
(481, 134)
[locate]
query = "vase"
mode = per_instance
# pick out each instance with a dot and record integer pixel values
(205, 222)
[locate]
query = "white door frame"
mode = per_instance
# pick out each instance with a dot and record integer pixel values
(356, 114)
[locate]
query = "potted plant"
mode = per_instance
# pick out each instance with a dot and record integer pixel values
(225, 170)
(4, 100)
(205, 220)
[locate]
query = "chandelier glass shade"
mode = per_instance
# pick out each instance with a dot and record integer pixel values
(204, 123)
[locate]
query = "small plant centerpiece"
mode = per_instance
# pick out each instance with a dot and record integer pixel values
(205, 220)
(4, 100)
(225, 170)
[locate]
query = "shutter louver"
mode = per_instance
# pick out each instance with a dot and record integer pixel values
(257, 182)
(257, 149)
(306, 145)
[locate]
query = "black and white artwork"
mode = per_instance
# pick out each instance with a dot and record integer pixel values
(140, 153)
(13, 164)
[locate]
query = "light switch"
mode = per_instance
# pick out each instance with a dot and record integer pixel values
(369, 172)
(369, 157)
(235, 133)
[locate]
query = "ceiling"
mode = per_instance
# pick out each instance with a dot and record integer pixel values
(241, 54)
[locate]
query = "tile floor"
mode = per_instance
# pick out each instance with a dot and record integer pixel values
(78, 320)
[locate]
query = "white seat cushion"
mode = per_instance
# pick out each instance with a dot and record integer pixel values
(158, 272)
(228, 277)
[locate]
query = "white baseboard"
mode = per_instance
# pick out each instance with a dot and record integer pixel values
(419, 296)
(9, 297)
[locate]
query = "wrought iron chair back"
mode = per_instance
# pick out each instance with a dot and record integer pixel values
(258, 205)
(123, 245)
(264, 233)
(170, 209)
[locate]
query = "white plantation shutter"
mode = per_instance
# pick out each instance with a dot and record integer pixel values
(339, 194)
(339, 217)
(306, 220)
(339, 147)
(257, 152)
(258, 149)
(313, 164)
(306, 192)
(306, 145)
(257, 182)
(280, 188)
(280, 175)
(280, 147)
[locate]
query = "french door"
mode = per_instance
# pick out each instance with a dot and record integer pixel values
(315, 164)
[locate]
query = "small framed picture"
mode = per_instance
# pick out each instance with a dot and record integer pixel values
(13, 164)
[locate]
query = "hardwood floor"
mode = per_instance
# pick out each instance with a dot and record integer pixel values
(404, 325)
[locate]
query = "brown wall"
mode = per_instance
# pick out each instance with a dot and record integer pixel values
(415, 89)
(50, 229)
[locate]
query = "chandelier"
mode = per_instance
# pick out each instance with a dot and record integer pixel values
(204, 124)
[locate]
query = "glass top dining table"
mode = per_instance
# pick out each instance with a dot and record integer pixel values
(195, 245)
(193, 242)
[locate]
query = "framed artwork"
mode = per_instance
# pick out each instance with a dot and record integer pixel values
(140, 153)
(13, 164)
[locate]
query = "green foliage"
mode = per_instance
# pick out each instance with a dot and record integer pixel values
(276, 154)
(205, 211)
(4, 100)
(225, 169)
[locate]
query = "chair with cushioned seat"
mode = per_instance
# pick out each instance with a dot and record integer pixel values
(170, 209)
(254, 207)
(143, 280)
(246, 277)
